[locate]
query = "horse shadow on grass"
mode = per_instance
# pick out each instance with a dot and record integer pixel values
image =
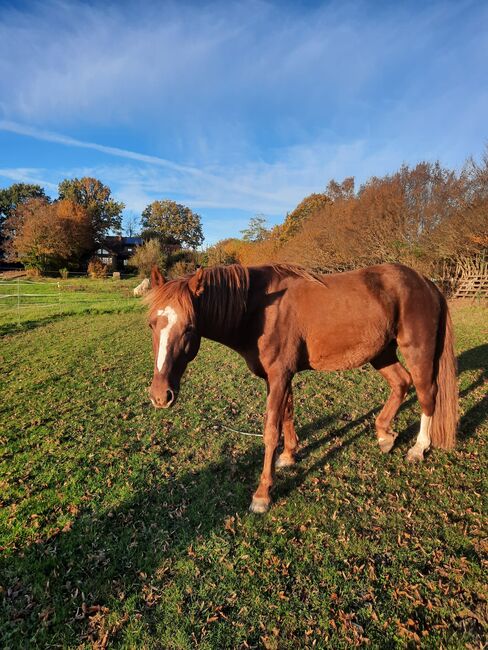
(470, 360)
(55, 591)
(9, 329)
(18, 328)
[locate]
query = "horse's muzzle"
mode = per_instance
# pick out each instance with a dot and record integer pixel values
(162, 400)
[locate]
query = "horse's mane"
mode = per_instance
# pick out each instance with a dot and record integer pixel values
(224, 297)
(224, 294)
(283, 270)
(222, 301)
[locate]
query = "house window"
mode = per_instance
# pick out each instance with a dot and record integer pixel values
(106, 260)
(102, 251)
(126, 262)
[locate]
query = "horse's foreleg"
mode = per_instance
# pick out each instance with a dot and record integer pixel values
(287, 457)
(278, 392)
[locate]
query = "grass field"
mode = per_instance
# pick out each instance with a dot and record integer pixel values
(25, 301)
(122, 526)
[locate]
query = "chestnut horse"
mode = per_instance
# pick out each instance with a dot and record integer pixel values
(282, 320)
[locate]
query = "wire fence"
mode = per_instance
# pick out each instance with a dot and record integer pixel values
(22, 296)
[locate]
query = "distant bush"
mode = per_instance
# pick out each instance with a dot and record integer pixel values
(426, 217)
(64, 273)
(146, 256)
(96, 269)
(182, 268)
(224, 252)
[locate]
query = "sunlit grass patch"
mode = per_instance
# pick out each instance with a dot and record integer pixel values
(129, 526)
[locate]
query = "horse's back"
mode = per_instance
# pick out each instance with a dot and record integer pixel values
(348, 318)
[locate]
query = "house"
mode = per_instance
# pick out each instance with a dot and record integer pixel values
(116, 250)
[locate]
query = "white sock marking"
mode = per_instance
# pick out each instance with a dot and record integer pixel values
(170, 314)
(423, 439)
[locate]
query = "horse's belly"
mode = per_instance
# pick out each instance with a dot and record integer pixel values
(349, 347)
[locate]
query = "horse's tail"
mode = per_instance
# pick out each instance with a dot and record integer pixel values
(445, 417)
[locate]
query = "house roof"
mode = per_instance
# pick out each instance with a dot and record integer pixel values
(135, 241)
(118, 240)
(117, 245)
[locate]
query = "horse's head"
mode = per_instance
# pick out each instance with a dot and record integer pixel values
(174, 335)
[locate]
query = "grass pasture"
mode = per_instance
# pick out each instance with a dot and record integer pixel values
(27, 301)
(122, 526)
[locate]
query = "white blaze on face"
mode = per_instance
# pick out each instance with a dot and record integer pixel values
(170, 314)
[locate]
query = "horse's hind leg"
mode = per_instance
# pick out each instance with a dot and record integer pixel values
(287, 456)
(422, 444)
(399, 379)
(420, 360)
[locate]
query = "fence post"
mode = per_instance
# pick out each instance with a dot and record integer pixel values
(18, 301)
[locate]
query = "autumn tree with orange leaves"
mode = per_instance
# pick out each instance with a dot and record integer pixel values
(423, 216)
(104, 212)
(47, 236)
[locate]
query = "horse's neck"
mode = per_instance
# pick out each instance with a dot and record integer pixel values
(216, 330)
(220, 315)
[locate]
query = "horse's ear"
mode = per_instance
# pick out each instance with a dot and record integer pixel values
(195, 283)
(157, 278)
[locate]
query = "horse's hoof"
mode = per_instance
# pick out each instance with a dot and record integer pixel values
(386, 442)
(414, 455)
(259, 506)
(284, 461)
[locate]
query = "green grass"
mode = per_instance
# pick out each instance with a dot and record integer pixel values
(128, 527)
(26, 302)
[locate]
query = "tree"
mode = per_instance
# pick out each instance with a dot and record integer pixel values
(48, 235)
(340, 191)
(13, 196)
(172, 223)
(256, 230)
(104, 212)
(304, 210)
(132, 226)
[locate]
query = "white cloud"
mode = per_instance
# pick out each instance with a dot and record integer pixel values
(208, 80)
(251, 186)
(240, 106)
(26, 175)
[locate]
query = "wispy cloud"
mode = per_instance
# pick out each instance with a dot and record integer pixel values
(252, 186)
(213, 79)
(238, 106)
(26, 175)
(58, 138)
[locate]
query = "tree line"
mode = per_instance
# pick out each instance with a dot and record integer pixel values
(46, 234)
(424, 216)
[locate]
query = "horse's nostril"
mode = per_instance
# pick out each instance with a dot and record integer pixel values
(169, 396)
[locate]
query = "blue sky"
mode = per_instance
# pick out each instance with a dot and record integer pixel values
(237, 108)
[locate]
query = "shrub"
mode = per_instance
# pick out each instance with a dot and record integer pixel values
(64, 273)
(147, 256)
(181, 268)
(96, 269)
